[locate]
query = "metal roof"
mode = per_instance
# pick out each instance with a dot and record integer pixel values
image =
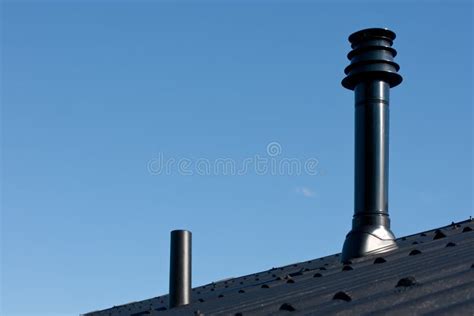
(431, 272)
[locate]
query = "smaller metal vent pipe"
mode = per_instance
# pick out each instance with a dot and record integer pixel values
(180, 268)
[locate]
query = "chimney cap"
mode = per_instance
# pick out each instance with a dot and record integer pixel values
(372, 58)
(370, 33)
(178, 231)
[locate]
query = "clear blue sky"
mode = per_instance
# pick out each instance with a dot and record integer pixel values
(92, 92)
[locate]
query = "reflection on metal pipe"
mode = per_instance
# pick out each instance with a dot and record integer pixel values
(180, 268)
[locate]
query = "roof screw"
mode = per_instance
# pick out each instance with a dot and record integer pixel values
(406, 282)
(438, 235)
(379, 260)
(343, 296)
(414, 252)
(287, 307)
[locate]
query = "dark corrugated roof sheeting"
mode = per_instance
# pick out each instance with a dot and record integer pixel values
(431, 272)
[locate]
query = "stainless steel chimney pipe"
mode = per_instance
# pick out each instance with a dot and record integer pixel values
(371, 74)
(180, 268)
